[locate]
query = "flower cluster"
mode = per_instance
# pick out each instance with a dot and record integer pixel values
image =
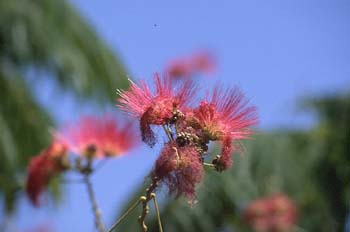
(92, 137)
(98, 137)
(276, 213)
(157, 108)
(180, 168)
(201, 62)
(224, 116)
(43, 167)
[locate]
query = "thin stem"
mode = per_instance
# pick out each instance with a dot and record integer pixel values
(127, 212)
(153, 195)
(97, 213)
(145, 208)
(176, 128)
(74, 181)
(177, 154)
(100, 164)
(209, 165)
(167, 132)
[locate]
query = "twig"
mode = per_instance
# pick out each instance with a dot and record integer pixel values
(127, 212)
(100, 164)
(97, 213)
(145, 208)
(153, 195)
(167, 132)
(209, 165)
(74, 181)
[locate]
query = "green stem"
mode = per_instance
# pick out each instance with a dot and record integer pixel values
(153, 195)
(127, 212)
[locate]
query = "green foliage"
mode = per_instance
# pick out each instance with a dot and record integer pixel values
(49, 35)
(284, 161)
(23, 126)
(51, 39)
(333, 166)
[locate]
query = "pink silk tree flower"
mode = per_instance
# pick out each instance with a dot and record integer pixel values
(179, 168)
(257, 215)
(225, 117)
(203, 62)
(276, 213)
(179, 68)
(284, 212)
(186, 67)
(43, 167)
(156, 108)
(99, 137)
(40, 228)
(117, 139)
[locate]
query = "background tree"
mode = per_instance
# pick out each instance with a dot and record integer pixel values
(44, 40)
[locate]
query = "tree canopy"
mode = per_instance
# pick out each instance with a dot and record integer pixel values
(47, 38)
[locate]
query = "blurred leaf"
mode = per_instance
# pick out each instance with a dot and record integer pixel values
(24, 132)
(48, 38)
(50, 35)
(333, 165)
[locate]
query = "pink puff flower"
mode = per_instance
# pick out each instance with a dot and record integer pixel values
(284, 212)
(179, 168)
(40, 228)
(185, 67)
(225, 117)
(42, 168)
(257, 215)
(155, 108)
(99, 137)
(203, 62)
(276, 213)
(179, 68)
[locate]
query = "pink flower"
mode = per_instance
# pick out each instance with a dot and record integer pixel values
(179, 68)
(99, 137)
(257, 215)
(185, 67)
(284, 211)
(180, 168)
(225, 117)
(203, 62)
(276, 213)
(155, 108)
(40, 228)
(43, 167)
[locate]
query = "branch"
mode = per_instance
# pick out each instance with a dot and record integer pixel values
(97, 213)
(168, 132)
(153, 195)
(127, 212)
(145, 208)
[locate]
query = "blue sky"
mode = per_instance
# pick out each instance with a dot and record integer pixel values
(276, 51)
